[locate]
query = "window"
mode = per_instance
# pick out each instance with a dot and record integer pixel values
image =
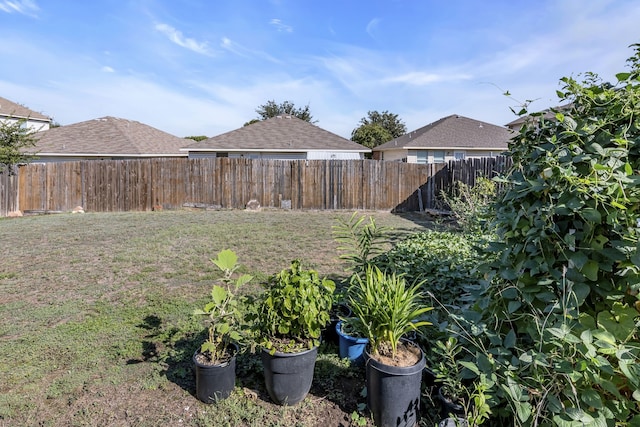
(421, 156)
(459, 155)
(438, 157)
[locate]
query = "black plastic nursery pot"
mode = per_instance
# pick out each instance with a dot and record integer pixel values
(288, 376)
(453, 422)
(215, 382)
(393, 393)
(448, 407)
(329, 333)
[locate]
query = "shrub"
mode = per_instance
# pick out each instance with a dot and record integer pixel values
(444, 261)
(471, 204)
(558, 327)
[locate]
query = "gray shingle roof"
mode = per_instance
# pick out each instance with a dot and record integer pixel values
(11, 109)
(109, 136)
(282, 133)
(452, 132)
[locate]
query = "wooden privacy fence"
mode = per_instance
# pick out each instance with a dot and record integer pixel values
(145, 184)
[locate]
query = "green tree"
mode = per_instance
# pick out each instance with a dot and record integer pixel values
(273, 109)
(371, 135)
(15, 137)
(378, 128)
(197, 138)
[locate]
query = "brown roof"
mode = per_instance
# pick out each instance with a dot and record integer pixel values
(282, 133)
(452, 132)
(109, 136)
(548, 114)
(11, 109)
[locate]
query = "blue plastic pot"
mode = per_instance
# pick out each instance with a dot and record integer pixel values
(350, 347)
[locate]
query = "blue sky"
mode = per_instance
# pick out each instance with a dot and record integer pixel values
(202, 67)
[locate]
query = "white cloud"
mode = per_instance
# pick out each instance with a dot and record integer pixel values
(25, 7)
(178, 38)
(280, 26)
(417, 78)
(237, 49)
(108, 69)
(372, 26)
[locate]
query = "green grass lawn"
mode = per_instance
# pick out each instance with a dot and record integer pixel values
(96, 326)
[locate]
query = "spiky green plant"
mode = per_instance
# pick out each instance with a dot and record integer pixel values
(385, 308)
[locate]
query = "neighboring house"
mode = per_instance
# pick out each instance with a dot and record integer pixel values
(548, 114)
(279, 138)
(450, 138)
(12, 112)
(104, 139)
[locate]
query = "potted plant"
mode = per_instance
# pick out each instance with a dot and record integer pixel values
(451, 391)
(215, 360)
(461, 400)
(387, 310)
(289, 318)
(351, 341)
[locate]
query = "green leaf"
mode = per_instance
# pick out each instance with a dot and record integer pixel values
(218, 294)
(619, 322)
(513, 306)
(628, 170)
(510, 339)
(226, 260)
(591, 398)
(523, 410)
(590, 270)
(591, 215)
(623, 76)
(470, 366)
(579, 259)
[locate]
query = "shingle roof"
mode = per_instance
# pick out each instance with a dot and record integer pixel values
(548, 114)
(109, 136)
(282, 133)
(11, 109)
(452, 132)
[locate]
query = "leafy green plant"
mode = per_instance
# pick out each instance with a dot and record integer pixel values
(360, 240)
(385, 308)
(558, 326)
(452, 373)
(445, 262)
(471, 204)
(292, 311)
(223, 310)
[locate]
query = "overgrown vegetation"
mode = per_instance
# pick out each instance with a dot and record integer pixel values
(556, 335)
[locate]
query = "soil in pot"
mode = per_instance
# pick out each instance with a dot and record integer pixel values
(393, 390)
(215, 380)
(288, 376)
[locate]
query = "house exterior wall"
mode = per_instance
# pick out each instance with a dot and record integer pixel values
(435, 156)
(393, 155)
(332, 155)
(34, 125)
(312, 155)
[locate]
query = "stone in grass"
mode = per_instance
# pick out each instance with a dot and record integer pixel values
(253, 205)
